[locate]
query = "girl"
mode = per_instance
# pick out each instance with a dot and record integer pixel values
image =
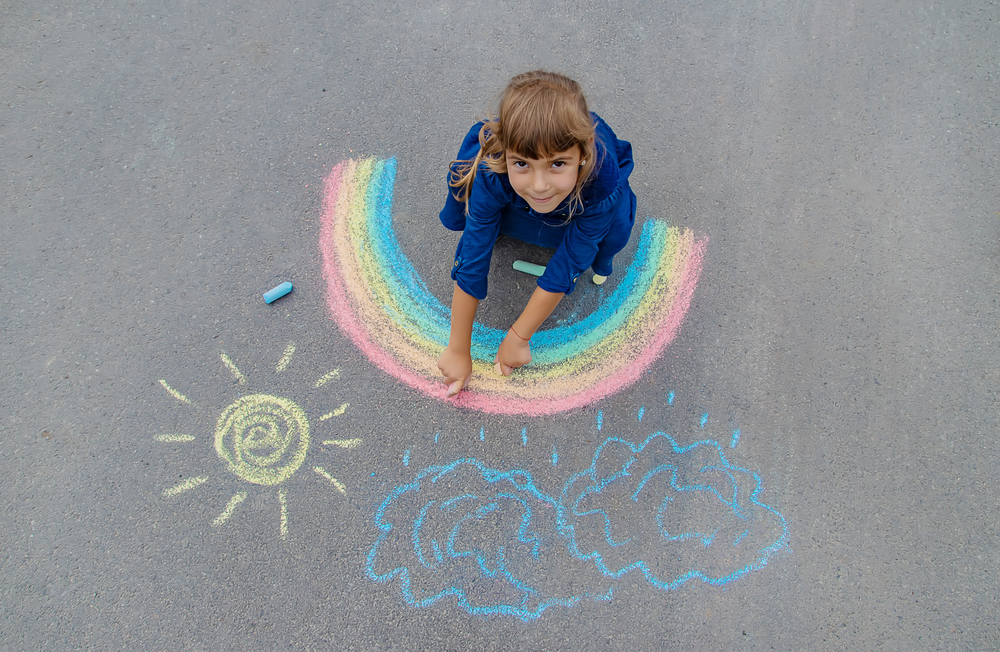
(546, 171)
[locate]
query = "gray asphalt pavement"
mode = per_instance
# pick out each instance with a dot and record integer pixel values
(830, 398)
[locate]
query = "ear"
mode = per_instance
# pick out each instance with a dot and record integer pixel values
(583, 161)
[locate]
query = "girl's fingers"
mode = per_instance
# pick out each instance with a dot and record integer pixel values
(456, 387)
(500, 368)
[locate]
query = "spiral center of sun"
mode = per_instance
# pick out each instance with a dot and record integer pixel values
(263, 439)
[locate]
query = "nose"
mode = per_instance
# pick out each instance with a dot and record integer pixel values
(539, 182)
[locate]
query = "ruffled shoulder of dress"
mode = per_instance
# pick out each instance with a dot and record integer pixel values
(606, 179)
(609, 202)
(470, 144)
(496, 185)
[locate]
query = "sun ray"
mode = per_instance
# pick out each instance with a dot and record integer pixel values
(237, 374)
(230, 508)
(343, 443)
(335, 413)
(283, 528)
(334, 481)
(175, 393)
(326, 378)
(286, 357)
(190, 483)
(171, 439)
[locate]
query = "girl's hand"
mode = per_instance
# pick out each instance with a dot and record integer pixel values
(456, 367)
(514, 352)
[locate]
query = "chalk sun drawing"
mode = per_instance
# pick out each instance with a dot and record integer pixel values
(379, 301)
(262, 440)
(492, 543)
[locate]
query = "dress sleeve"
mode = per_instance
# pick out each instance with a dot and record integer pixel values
(482, 227)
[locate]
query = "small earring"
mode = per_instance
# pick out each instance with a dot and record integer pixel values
(583, 162)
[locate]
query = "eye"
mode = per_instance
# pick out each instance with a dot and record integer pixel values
(559, 164)
(520, 165)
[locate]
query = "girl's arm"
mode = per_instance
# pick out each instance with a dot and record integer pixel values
(515, 350)
(455, 362)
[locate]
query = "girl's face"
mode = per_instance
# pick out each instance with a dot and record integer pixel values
(544, 183)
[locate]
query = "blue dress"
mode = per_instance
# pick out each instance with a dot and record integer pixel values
(589, 240)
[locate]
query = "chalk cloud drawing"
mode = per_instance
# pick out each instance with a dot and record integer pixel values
(484, 538)
(674, 513)
(494, 544)
(262, 440)
(379, 301)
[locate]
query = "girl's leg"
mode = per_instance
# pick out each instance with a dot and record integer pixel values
(613, 242)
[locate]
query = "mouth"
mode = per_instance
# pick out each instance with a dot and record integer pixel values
(544, 200)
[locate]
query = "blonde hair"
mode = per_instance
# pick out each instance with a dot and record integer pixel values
(540, 114)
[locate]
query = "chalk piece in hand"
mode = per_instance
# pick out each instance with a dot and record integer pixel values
(277, 292)
(529, 268)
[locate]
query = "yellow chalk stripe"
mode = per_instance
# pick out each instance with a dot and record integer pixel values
(402, 331)
(335, 413)
(396, 333)
(381, 311)
(336, 483)
(175, 393)
(327, 378)
(237, 374)
(286, 357)
(343, 443)
(283, 528)
(190, 483)
(230, 508)
(174, 438)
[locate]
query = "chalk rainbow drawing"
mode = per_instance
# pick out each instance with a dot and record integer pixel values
(379, 301)
(491, 541)
(261, 439)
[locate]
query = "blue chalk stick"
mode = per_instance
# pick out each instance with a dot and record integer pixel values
(277, 292)
(529, 268)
